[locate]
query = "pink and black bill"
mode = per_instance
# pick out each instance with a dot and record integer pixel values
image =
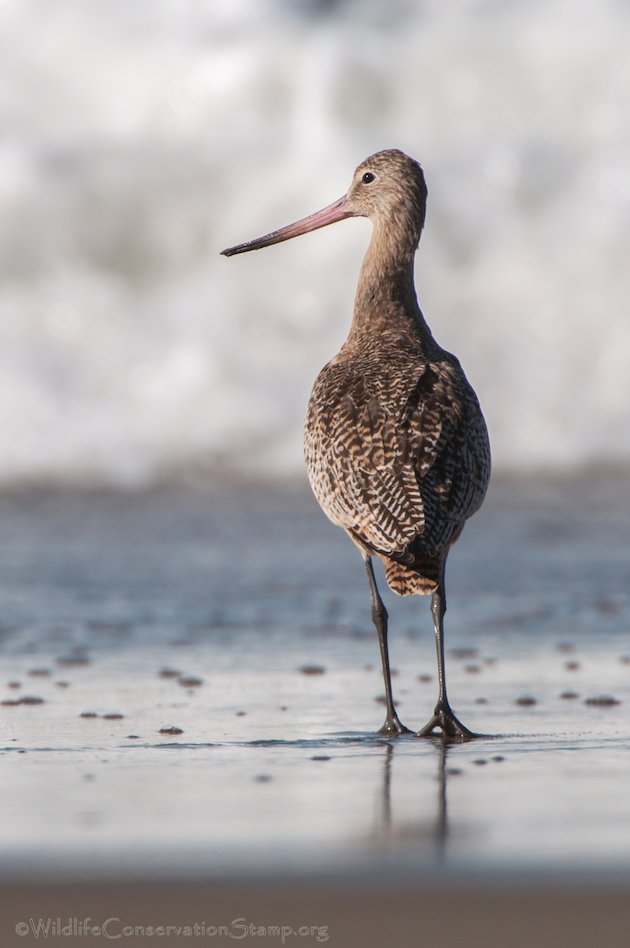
(328, 215)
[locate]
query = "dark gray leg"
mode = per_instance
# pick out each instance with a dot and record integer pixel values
(443, 717)
(392, 726)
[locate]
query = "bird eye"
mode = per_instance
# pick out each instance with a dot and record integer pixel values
(367, 178)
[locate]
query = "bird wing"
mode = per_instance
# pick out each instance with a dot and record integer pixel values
(387, 453)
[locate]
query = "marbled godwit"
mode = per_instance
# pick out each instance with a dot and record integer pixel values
(395, 442)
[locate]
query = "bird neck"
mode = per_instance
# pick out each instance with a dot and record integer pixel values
(386, 294)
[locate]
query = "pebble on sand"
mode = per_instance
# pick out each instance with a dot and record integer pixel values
(189, 681)
(311, 669)
(171, 730)
(464, 652)
(601, 701)
(73, 660)
(25, 699)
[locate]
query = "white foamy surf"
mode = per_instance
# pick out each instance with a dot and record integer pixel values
(139, 139)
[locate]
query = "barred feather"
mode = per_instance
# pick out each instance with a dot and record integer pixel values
(399, 460)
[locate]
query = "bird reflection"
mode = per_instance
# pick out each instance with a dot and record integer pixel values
(433, 829)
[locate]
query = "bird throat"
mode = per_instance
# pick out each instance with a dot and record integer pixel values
(386, 295)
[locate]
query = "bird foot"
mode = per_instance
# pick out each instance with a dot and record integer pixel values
(450, 728)
(394, 728)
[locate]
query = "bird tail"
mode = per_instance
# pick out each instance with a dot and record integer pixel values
(422, 577)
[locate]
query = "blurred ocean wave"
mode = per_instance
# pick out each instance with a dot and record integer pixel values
(139, 139)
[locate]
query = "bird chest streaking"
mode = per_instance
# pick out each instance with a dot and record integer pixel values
(396, 445)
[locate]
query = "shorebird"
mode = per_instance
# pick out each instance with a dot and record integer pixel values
(396, 445)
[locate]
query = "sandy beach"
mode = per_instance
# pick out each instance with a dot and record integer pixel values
(190, 696)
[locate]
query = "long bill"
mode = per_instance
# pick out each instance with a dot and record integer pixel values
(328, 215)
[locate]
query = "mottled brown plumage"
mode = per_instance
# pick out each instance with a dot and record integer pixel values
(395, 442)
(397, 453)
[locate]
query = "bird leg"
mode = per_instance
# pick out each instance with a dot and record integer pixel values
(392, 726)
(443, 717)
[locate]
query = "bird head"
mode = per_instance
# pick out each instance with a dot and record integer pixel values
(388, 187)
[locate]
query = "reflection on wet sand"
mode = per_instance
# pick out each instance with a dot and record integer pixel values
(430, 823)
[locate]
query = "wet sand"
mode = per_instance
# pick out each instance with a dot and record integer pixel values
(190, 696)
